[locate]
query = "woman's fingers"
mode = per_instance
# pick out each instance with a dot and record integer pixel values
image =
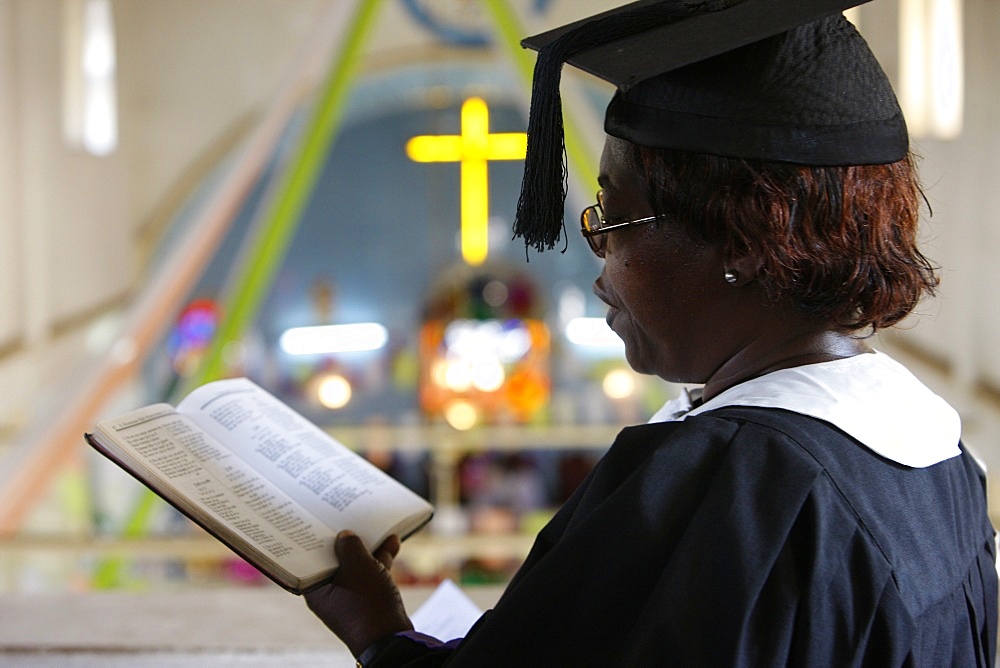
(387, 552)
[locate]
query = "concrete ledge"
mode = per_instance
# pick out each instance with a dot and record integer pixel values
(265, 626)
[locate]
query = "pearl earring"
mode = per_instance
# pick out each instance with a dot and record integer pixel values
(731, 276)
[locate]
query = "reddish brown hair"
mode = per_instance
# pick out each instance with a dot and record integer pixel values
(838, 242)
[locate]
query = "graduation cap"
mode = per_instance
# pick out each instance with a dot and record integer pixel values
(774, 80)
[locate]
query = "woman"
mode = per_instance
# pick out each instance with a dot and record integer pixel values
(812, 505)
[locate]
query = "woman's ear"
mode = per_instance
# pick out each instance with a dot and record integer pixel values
(740, 271)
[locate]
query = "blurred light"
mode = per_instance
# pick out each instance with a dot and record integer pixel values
(334, 391)
(98, 40)
(488, 376)
(618, 384)
(191, 335)
(461, 415)
(458, 376)
(461, 375)
(439, 373)
(124, 351)
(427, 148)
(475, 181)
(103, 333)
(931, 87)
(475, 339)
(495, 293)
(572, 304)
(90, 114)
(947, 75)
(100, 135)
(328, 339)
(592, 332)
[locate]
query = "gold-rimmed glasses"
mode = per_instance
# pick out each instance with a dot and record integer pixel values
(593, 225)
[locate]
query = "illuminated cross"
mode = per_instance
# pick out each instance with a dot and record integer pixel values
(473, 148)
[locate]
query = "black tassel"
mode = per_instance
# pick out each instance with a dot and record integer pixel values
(543, 186)
(540, 207)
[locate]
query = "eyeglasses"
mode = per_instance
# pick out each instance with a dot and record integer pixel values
(593, 226)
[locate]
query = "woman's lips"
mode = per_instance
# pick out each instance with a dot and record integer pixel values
(610, 317)
(612, 310)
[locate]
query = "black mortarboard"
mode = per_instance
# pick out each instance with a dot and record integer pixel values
(775, 80)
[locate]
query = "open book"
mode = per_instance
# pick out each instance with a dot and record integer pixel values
(261, 478)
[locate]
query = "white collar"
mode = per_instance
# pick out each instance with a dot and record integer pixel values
(871, 397)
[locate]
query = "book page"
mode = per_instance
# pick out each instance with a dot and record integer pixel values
(186, 460)
(324, 476)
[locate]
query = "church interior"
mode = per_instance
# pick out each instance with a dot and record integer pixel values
(318, 195)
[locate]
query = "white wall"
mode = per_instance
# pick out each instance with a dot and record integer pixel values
(190, 72)
(10, 255)
(71, 212)
(64, 226)
(962, 179)
(70, 222)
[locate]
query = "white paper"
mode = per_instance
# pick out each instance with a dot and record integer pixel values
(448, 613)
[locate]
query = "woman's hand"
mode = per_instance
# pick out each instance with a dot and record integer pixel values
(362, 604)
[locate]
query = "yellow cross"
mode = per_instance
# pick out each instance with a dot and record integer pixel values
(473, 148)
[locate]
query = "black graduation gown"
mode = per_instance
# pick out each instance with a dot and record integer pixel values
(748, 536)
